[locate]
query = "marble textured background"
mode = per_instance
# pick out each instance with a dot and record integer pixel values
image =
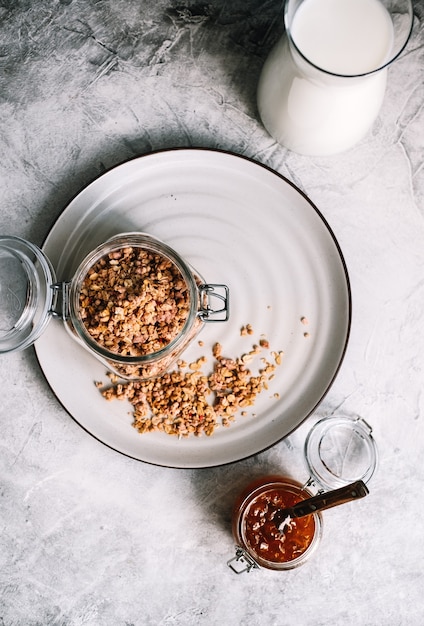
(89, 537)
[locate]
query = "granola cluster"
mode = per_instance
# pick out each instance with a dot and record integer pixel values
(188, 401)
(134, 302)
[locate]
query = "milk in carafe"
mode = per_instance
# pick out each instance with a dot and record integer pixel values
(319, 91)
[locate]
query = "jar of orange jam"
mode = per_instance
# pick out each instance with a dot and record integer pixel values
(338, 451)
(259, 541)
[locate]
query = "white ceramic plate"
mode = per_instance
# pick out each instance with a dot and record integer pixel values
(237, 222)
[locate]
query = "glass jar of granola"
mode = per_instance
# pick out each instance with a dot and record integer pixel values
(133, 302)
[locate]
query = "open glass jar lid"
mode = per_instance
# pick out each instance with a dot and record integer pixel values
(26, 299)
(340, 450)
(133, 302)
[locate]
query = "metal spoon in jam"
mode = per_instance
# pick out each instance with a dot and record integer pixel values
(353, 491)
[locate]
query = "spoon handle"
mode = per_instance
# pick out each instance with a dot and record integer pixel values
(322, 501)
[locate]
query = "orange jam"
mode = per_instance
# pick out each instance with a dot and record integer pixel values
(262, 535)
(256, 531)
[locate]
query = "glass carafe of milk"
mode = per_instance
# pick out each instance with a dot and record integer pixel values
(323, 84)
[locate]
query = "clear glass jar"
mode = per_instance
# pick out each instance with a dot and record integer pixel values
(259, 541)
(133, 302)
(338, 451)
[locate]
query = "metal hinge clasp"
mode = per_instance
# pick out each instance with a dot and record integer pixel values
(60, 300)
(207, 293)
(242, 562)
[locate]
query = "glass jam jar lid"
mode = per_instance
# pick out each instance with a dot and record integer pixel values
(27, 296)
(340, 450)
